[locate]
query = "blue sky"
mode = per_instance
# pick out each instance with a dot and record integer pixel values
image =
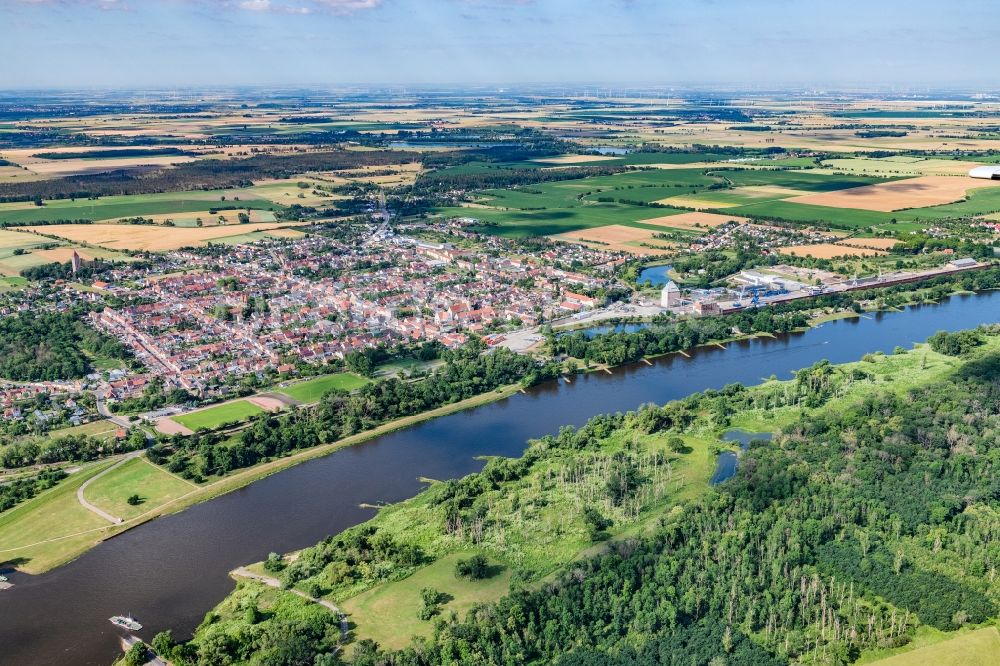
(746, 43)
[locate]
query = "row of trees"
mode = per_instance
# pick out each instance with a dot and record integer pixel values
(466, 373)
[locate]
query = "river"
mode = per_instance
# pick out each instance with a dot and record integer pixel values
(170, 571)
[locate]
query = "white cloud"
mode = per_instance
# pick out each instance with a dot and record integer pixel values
(341, 7)
(308, 6)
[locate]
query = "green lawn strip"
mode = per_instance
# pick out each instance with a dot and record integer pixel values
(389, 614)
(138, 476)
(212, 417)
(311, 390)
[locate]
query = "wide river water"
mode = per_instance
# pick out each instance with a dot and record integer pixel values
(171, 571)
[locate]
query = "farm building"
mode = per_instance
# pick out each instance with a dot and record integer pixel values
(987, 172)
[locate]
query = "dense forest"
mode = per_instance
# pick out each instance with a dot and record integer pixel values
(113, 153)
(200, 175)
(51, 346)
(862, 520)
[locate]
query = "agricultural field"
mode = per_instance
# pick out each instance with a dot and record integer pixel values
(213, 417)
(566, 208)
(21, 249)
(921, 192)
(897, 166)
(619, 238)
(118, 207)
(153, 238)
(311, 390)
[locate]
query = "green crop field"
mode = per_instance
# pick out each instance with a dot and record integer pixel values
(523, 223)
(312, 390)
(153, 485)
(786, 210)
(563, 206)
(107, 208)
(213, 417)
(389, 614)
(797, 180)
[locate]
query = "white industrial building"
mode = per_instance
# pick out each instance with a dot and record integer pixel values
(670, 295)
(987, 172)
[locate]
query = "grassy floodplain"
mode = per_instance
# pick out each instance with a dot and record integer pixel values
(538, 527)
(40, 535)
(154, 486)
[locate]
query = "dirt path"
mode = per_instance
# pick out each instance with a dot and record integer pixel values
(90, 507)
(243, 572)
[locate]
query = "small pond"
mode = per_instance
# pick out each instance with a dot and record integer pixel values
(725, 466)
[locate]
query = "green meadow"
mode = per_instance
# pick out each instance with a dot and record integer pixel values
(213, 417)
(311, 390)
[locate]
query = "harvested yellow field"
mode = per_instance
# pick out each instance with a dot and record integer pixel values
(694, 221)
(148, 237)
(14, 239)
(872, 243)
(617, 238)
(13, 174)
(828, 251)
(900, 194)
(63, 254)
(285, 233)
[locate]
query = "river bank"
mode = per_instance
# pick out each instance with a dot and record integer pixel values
(43, 555)
(194, 550)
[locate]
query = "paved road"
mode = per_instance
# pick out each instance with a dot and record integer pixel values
(103, 410)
